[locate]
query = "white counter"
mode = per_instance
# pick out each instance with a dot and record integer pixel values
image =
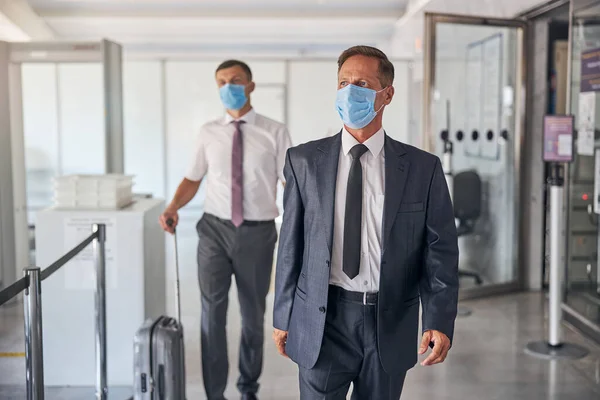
(135, 289)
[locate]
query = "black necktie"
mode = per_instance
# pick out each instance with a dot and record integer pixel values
(353, 216)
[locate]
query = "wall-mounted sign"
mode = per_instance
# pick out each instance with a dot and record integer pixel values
(558, 138)
(590, 71)
(586, 122)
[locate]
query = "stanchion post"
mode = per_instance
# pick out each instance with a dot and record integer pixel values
(556, 258)
(34, 349)
(100, 300)
(554, 347)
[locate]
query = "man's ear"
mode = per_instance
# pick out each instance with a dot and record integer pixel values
(251, 87)
(389, 94)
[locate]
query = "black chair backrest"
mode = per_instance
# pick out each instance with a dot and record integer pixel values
(467, 196)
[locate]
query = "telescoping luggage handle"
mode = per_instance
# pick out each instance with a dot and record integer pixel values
(170, 223)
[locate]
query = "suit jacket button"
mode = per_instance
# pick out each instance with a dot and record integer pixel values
(322, 309)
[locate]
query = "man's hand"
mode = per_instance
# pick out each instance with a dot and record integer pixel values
(280, 337)
(169, 214)
(441, 345)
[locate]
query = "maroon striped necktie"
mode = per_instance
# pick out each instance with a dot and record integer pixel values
(237, 176)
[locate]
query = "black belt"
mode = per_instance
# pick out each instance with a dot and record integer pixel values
(365, 298)
(245, 223)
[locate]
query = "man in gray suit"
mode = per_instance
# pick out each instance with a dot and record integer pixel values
(368, 230)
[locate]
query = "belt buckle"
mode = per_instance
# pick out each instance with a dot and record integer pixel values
(364, 298)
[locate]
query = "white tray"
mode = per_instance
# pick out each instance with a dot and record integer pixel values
(92, 183)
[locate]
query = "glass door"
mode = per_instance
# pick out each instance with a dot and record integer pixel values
(583, 246)
(473, 120)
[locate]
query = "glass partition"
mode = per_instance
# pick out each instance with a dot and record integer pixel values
(63, 123)
(144, 125)
(81, 118)
(473, 122)
(583, 244)
(41, 134)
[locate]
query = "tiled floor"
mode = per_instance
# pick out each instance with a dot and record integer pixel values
(487, 361)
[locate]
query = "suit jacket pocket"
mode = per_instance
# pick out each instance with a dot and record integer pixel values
(411, 207)
(300, 293)
(410, 302)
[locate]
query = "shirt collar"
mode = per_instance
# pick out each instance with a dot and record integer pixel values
(248, 118)
(374, 143)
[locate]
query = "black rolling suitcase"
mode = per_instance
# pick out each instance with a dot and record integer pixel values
(159, 355)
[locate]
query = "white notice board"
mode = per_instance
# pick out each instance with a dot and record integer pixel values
(586, 123)
(473, 98)
(484, 96)
(80, 272)
(492, 96)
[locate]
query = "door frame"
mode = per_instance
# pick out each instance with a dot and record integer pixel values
(106, 53)
(428, 138)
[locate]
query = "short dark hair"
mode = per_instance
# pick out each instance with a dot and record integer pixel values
(236, 63)
(386, 68)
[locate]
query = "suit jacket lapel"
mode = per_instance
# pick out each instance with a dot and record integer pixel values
(326, 170)
(396, 173)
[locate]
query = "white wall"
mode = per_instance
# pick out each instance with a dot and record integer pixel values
(144, 124)
(81, 113)
(165, 104)
(408, 31)
(311, 101)
(40, 122)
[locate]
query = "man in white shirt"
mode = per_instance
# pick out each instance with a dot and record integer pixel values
(368, 230)
(241, 157)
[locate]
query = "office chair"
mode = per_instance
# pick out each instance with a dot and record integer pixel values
(467, 209)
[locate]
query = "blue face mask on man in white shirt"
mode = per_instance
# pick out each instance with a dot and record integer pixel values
(356, 105)
(233, 96)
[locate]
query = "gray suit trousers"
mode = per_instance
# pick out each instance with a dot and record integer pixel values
(247, 254)
(349, 355)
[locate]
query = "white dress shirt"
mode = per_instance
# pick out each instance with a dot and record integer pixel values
(265, 143)
(373, 167)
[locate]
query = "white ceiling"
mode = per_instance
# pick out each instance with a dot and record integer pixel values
(9, 31)
(259, 27)
(48, 6)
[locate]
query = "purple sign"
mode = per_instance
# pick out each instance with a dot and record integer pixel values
(558, 138)
(590, 71)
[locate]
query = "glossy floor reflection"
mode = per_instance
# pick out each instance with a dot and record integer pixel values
(486, 362)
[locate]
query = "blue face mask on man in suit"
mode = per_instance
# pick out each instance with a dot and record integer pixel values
(356, 105)
(233, 96)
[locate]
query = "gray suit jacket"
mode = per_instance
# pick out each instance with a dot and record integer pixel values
(419, 254)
